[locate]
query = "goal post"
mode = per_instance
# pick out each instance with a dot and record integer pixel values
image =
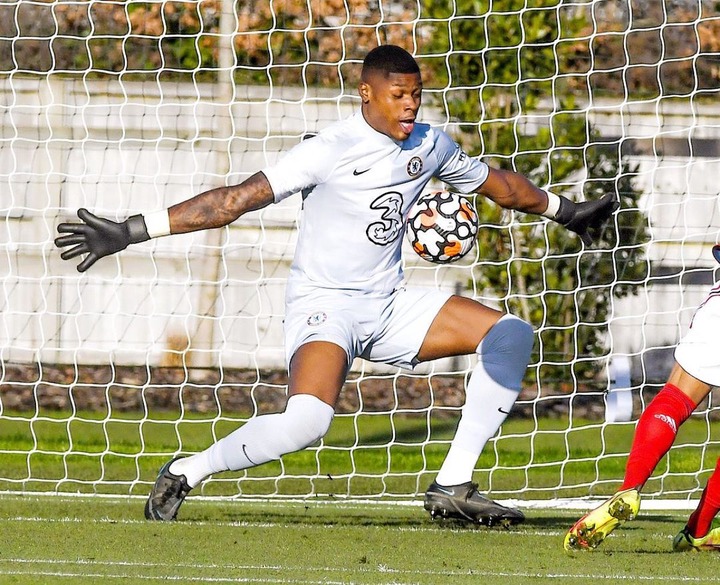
(129, 107)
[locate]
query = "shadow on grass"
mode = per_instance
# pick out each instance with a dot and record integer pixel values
(414, 517)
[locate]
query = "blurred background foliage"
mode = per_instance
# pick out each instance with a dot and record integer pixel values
(642, 48)
(513, 77)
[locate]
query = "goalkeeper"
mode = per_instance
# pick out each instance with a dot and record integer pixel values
(695, 372)
(345, 296)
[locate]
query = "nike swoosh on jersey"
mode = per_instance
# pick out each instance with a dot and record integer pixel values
(244, 450)
(356, 172)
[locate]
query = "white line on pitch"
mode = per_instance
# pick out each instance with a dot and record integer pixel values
(182, 578)
(187, 579)
(368, 570)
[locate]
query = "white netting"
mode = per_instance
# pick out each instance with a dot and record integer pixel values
(128, 107)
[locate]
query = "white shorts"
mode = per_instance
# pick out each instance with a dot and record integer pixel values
(698, 352)
(388, 329)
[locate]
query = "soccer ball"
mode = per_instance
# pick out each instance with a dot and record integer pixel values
(442, 226)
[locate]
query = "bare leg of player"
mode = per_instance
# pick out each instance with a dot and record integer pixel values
(317, 373)
(503, 344)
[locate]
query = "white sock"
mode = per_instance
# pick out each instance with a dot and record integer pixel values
(264, 438)
(492, 390)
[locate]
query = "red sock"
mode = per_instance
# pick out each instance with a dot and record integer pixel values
(655, 433)
(701, 519)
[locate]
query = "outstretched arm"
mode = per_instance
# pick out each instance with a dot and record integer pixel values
(96, 237)
(221, 206)
(514, 191)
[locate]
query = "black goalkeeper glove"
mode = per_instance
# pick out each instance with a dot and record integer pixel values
(98, 237)
(716, 252)
(585, 216)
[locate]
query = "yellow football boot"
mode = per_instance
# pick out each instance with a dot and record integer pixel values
(588, 532)
(684, 542)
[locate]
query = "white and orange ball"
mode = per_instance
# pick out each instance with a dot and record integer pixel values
(442, 227)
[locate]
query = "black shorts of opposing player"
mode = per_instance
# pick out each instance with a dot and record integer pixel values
(463, 502)
(167, 494)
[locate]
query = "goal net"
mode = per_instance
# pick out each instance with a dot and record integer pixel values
(129, 107)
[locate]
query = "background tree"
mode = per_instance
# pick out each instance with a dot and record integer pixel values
(669, 46)
(513, 77)
(513, 106)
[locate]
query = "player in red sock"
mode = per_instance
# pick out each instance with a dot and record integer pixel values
(696, 371)
(657, 428)
(697, 534)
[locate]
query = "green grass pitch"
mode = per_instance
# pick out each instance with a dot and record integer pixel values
(83, 540)
(71, 537)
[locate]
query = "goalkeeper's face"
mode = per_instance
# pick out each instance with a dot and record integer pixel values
(390, 103)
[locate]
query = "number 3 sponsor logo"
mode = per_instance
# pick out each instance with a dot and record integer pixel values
(391, 221)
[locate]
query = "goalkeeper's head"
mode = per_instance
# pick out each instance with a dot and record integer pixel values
(391, 91)
(387, 59)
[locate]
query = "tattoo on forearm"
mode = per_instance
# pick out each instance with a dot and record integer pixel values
(221, 206)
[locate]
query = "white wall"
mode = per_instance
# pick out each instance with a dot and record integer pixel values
(122, 149)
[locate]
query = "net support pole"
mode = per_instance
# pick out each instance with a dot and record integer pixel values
(54, 92)
(618, 403)
(205, 332)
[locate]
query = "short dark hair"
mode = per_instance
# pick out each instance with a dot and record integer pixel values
(389, 59)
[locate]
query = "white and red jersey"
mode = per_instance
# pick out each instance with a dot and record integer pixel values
(359, 185)
(698, 352)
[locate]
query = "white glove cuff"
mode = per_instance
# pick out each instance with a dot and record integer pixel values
(158, 223)
(552, 208)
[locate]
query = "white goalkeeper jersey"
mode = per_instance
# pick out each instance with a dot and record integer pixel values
(358, 186)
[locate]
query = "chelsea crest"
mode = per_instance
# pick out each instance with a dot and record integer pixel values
(414, 166)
